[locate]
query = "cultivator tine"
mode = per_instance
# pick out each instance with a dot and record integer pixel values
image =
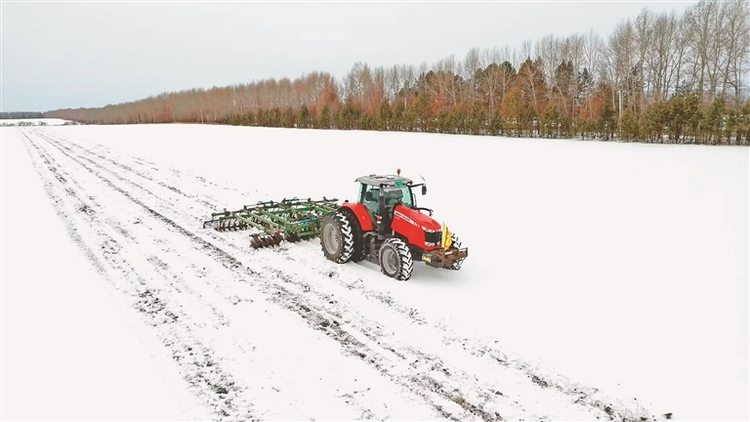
(292, 219)
(223, 225)
(230, 224)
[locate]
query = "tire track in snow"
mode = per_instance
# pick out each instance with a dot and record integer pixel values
(214, 386)
(582, 395)
(316, 319)
(331, 325)
(100, 150)
(232, 264)
(539, 379)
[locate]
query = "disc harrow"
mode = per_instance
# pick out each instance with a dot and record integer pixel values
(291, 220)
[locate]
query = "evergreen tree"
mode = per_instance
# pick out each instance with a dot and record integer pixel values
(288, 119)
(711, 123)
(655, 122)
(551, 122)
(397, 117)
(478, 120)
(606, 124)
(304, 118)
(383, 119)
(496, 126)
(325, 117)
(629, 128)
(743, 125)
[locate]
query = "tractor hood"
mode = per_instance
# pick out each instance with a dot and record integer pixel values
(417, 218)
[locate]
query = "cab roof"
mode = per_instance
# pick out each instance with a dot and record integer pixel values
(385, 179)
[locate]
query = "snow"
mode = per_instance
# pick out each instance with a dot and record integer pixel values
(34, 122)
(621, 269)
(68, 352)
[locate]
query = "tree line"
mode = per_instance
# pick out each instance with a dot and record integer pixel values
(21, 115)
(658, 77)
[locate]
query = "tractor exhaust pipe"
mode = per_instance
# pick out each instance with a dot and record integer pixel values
(383, 224)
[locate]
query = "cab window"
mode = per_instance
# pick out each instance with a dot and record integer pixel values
(398, 195)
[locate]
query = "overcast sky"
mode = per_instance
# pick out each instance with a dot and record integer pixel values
(79, 54)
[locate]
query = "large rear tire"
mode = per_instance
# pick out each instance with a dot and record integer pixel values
(395, 259)
(336, 238)
(359, 244)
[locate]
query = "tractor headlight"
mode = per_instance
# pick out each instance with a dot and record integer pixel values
(432, 237)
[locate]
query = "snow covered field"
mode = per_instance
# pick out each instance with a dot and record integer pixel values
(604, 280)
(33, 122)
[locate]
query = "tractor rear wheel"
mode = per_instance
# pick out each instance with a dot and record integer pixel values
(336, 238)
(395, 259)
(359, 244)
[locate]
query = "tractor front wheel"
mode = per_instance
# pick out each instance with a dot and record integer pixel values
(395, 259)
(336, 238)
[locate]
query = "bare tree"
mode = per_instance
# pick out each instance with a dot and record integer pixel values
(409, 77)
(736, 30)
(573, 51)
(640, 82)
(356, 83)
(393, 83)
(376, 93)
(489, 81)
(446, 87)
(594, 63)
(661, 59)
(699, 20)
(549, 50)
(680, 51)
(619, 59)
(471, 64)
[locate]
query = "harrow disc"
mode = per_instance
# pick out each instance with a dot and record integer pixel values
(265, 240)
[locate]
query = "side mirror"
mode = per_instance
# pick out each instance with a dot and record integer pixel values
(424, 190)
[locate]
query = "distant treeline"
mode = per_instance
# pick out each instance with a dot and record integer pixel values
(657, 78)
(21, 115)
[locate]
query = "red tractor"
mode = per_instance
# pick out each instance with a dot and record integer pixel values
(385, 226)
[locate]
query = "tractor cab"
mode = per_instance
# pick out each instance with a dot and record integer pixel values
(395, 189)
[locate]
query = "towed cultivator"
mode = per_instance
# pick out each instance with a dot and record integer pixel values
(291, 220)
